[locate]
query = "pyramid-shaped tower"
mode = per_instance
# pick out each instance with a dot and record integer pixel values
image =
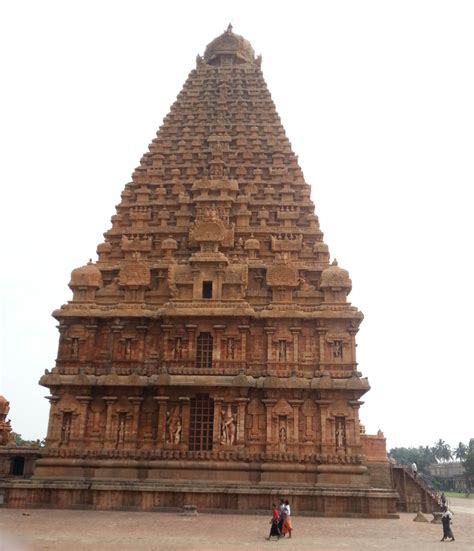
(208, 356)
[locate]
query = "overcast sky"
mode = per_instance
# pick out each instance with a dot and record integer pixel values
(377, 100)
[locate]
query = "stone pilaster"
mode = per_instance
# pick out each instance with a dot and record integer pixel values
(186, 420)
(109, 436)
(162, 408)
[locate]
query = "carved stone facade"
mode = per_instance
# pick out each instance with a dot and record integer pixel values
(212, 342)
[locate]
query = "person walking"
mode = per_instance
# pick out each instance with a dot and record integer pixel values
(414, 469)
(274, 529)
(282, 511)
(287, 527)
(447, 519)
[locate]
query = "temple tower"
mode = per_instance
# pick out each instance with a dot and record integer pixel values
(208, 356)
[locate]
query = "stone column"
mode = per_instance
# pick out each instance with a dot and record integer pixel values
(295, 331)
(296, 404)
(53, 399)
(163, 406)
(269, 403)
(133, 434)
(84, 406)
(90, 342)
(142, 331)
(243, 342)
(217, 351)
(62, 350)
(219, 280)
(191, 328)
(109, 436)
(116, 332)
(197, 283)
(241, 411)
(355, 440)
(185, 414)
(322, 345)
(166, 336)
(326, 439)
(352, 356)
(269, 331)
(216, 436)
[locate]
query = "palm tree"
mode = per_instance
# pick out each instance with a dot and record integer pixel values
(442, 451)
(461, 451)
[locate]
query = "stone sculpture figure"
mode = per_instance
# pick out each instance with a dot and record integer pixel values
(337, 349)
(121, 430)
(177, 432)
(228, 427)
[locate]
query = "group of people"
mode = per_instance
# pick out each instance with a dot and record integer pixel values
(281, 520)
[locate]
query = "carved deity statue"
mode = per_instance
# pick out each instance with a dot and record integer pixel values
(173, 427)
(228, 427)
(230, 349)
(337, 349)
(282, 435)
(340, 432)
(121, 430)
(177, 432)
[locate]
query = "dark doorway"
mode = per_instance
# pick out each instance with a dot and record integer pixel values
(201, 425)
(18, 466)
(207, 289)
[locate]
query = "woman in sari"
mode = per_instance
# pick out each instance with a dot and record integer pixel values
(274, 530)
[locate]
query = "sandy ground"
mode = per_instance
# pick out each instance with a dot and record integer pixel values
(34, 529)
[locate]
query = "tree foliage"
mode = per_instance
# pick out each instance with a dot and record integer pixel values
(423, 456)
(468, 462)
(20, 441)
(440, 452)
(461, 451)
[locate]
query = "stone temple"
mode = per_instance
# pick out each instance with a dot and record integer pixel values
(208, 356)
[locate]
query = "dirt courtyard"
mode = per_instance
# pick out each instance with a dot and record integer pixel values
(34, 529)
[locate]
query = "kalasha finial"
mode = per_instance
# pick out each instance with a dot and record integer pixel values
(229, 28)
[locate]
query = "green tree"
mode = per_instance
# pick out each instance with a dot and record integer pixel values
(442, 451)
(423, 456)
(461, 451)
(468, 465)
(20, 441)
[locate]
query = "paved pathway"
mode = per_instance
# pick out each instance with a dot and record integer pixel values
(65, 530)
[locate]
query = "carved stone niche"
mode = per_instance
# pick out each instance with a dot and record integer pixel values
(228, 425)
(341, 424)
(281, 430)
(174, 426)
(338, 344)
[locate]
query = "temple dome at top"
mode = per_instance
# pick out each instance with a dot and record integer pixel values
(229, 46)
(86, 276)
(4, 405)
(335, 277)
